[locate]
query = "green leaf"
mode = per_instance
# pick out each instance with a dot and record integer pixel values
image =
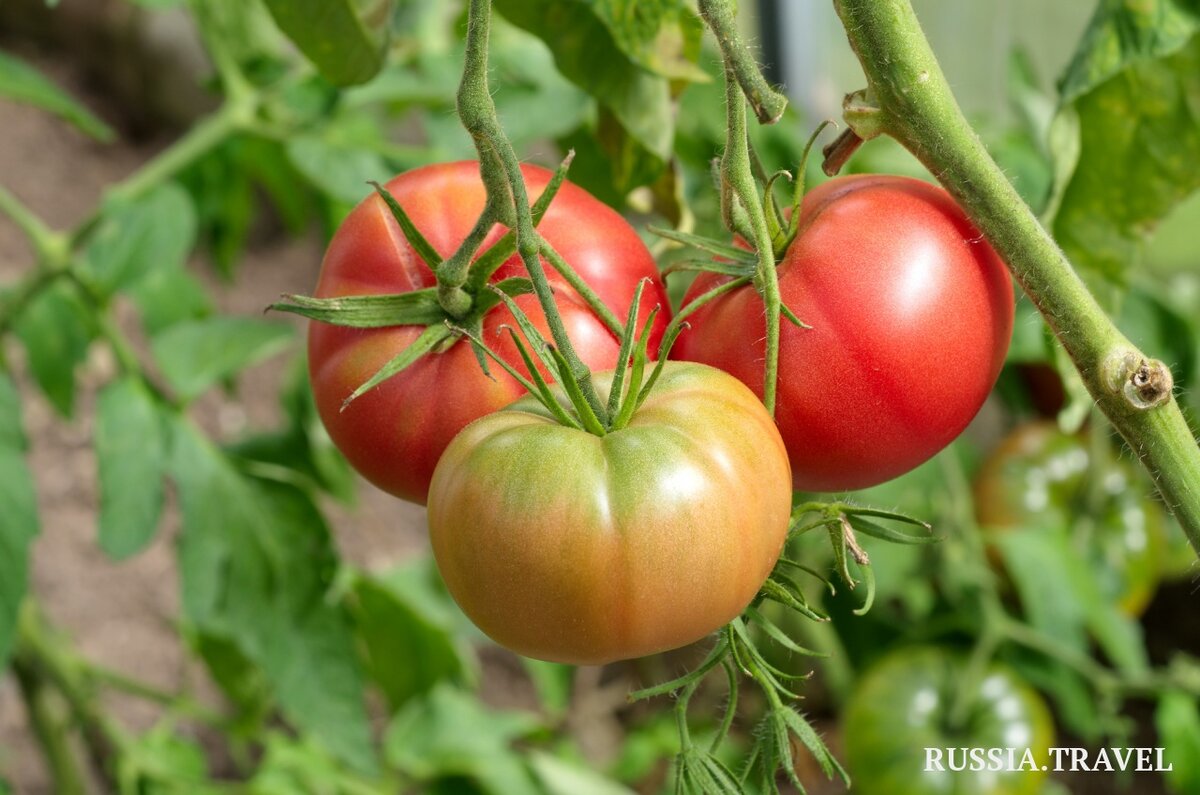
(131, 456)
(339, 166)
(22, 83)
(18, 513)
(580, 40)
(166, 296)
(291, 766)
(1045, 569)
(1177, 719)
(196, 354)
(448, 733)
(257, 563)
(1123, 31)
(1139, 142)
(409, 647)
(560, 777)
(56, 335)
(334, 36)
(156, 231)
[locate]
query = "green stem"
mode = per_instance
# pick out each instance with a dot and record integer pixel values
(720, 17)
(916, 107)
(501, 173)
(54, 741)
(737, 172)
(47, 244)
(209, 133)
(58, 667)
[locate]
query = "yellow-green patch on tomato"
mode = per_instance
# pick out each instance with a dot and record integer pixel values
(571, 547)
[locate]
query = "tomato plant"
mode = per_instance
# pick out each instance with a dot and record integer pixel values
(395, 433)
(1040, 477)
(907, 704)
(654, 536)
(910, 314)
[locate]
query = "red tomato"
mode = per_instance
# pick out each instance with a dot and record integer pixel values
(395, 434)
(585, 549)
(911, 314)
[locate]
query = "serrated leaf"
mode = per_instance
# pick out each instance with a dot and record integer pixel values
(131, 457)
(155, 231)
(56, 336)
(196, 354)
(1177, 719)
(22, 83)
(408, 648)
(257, 562)
(1139, 142)
(333, 35)
(18, 513)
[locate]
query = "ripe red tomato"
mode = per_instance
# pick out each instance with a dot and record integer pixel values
(395, 433)
(900, 738)
(583, 549)
(911, 314)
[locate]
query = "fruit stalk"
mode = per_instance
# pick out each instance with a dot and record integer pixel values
(917, 108)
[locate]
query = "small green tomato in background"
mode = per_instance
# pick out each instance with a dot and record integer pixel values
(902, 710)
(571, 547)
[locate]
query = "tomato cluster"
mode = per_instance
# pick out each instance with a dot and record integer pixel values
(580, 544)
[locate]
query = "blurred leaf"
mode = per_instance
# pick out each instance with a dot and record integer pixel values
(161, 762)
(553, 682)
(18, 513)
(196, 354)
(1154, 326)
(1177, 719)
(408, 648)
(1047, 575)
(340, 168)
(334, 35)
(447, 733)
(56, 335)
(561, 777)
(1123, 31)
(22, 83)
(154, 231)
(130, 456)
(580, 40)
(239, 679)
(165, 297)
(257, 563)
(292, 766)
(1139, 140)
(302, 445)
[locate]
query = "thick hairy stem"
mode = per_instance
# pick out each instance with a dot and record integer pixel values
(501, 173)
(768, 103)
(914, 104)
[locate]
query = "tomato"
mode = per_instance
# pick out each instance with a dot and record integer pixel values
(903, 706)
(1040, 477)
(395, 434)
(576, 548)
(911, 314)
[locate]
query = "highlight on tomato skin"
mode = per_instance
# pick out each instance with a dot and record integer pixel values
(395, 433)
(570, 547)
(911, 314)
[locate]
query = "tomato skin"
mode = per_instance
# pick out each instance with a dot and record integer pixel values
(1039, 477)
(902, 706)
(575, 548)
(911, 314)
(395, 434)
